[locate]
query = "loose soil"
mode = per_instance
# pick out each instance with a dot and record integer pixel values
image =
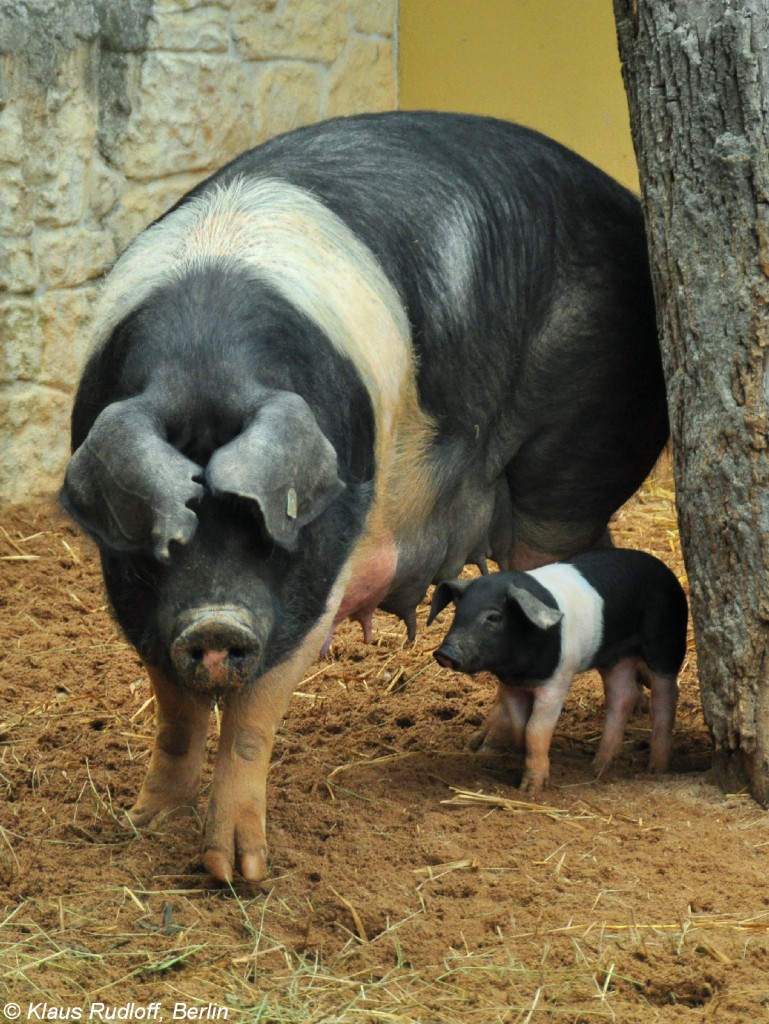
(408, 882)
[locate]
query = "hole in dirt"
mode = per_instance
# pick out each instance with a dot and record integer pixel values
(445, 714)
(404, 722)
(692, 994)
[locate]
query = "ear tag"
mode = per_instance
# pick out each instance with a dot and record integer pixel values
(292, 504)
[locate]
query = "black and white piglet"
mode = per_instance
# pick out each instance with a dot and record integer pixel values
(619, 611)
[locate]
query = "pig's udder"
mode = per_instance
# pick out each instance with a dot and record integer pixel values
(373, 571)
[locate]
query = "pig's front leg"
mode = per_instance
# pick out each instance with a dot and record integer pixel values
(173, 776)
(548, 703)
(235, 829)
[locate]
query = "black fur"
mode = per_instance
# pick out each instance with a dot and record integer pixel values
(644, 608)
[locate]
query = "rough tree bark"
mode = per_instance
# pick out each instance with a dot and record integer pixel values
(697, 78)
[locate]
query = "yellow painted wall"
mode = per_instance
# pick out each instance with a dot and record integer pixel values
(550, 64)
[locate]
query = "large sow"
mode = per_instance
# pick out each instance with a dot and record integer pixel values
(358, 357)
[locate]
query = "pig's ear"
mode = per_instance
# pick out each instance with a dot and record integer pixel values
(536, 611)
(283, 462)
(445, 593)
(128, 487)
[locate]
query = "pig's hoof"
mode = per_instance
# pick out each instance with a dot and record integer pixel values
(532, 784)
(235, 842)
(600, 765)
(493, 745)
(253, 865)
(143, 812)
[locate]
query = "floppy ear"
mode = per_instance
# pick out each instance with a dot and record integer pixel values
(446, 592)
(536, 611)
(127, 486)
(282, 461)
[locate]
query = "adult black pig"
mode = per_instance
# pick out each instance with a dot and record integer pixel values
(356, 358)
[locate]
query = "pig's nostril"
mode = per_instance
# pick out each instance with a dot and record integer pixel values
(444, 659)
(216, 651)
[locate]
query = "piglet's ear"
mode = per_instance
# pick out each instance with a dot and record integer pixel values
(445, 593)
(128, 487)
(282, 461)
(536, 611)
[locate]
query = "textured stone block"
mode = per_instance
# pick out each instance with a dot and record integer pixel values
(195, 113)
(202, 29)
(289, 96)
(70, 256)
(17, 206)
(19, 271)
(374, 17)
(143, 202)
(363, 78)
(22, 349)
(64, 319)
(297, 29)
(35, 440)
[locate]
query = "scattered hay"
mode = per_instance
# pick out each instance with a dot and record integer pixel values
(408, 884)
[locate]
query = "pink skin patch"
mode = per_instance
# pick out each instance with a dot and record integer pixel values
(524, 559)
(214, 662)
(372, 575)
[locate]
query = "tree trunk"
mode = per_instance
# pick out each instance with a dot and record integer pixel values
(697, 78)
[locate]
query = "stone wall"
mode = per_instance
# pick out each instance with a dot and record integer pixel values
(109, 111)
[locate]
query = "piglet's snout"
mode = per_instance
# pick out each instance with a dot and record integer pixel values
(449, 656)
(216, 649)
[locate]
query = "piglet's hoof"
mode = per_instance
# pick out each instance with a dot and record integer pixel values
(496, 736)
(601, 765)
(533, 783)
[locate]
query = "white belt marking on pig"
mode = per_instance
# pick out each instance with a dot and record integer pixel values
(582, 607)
(286, 236)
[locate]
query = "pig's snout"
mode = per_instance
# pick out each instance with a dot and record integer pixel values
(449, 656)
(217, 649)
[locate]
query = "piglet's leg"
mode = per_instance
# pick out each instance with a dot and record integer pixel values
(173, 776)
(621, 690)
(505, 724)
(235, 829)
(548, 702)
(664, 699)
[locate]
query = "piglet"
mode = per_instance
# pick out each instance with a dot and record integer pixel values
(619, 611)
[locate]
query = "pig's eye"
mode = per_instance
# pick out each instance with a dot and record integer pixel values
(493, 617)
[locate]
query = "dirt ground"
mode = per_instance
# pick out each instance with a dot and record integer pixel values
(408, 883)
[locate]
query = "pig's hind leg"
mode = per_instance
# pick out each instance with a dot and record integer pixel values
(664, 700)
(505, 725)
(621, 686)
(621, 689)
(173, 776)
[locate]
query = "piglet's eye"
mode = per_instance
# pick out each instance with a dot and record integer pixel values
(493, 617)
